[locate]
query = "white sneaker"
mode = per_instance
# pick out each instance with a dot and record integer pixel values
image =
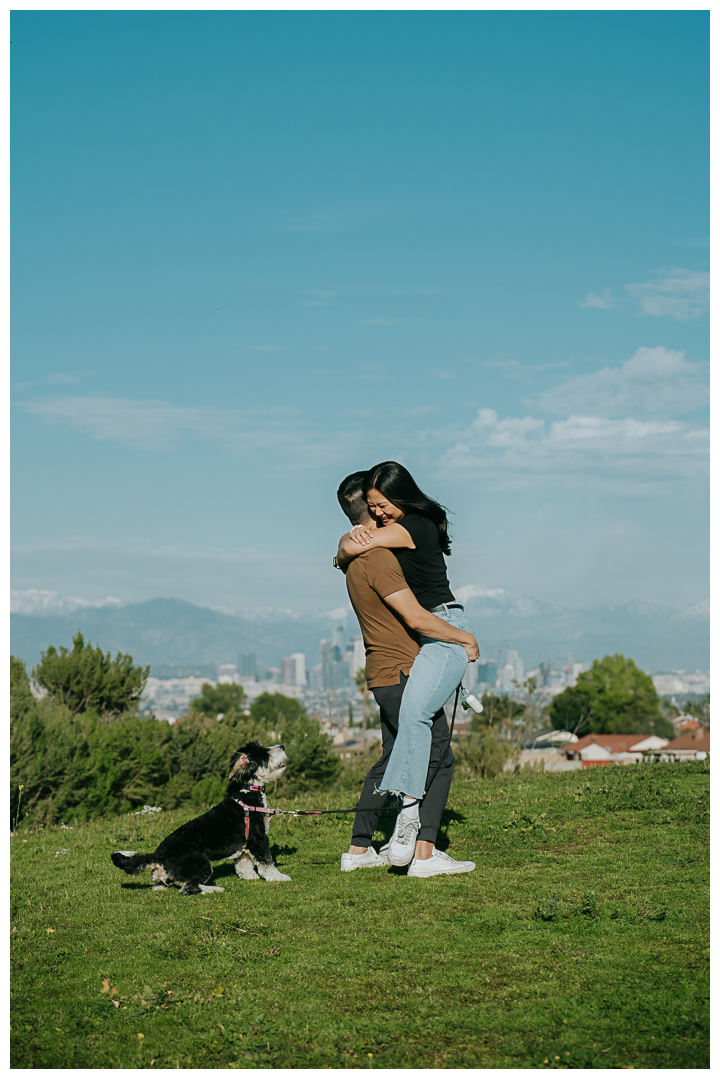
(401, 846)
(368, 858)
(438, 863)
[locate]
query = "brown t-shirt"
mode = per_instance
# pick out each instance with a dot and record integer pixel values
(389, 648)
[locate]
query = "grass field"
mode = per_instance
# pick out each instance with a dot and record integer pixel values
(579, 942)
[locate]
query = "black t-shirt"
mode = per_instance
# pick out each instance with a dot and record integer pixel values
(424, 566)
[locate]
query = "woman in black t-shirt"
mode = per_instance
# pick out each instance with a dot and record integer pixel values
(415, 527)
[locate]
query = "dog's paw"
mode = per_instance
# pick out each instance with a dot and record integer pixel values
(126, 853)
(159, 888)
(211, 888)
(273, 874)
(245, 870)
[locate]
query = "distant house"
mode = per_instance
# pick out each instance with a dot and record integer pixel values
(613, 749)
(549, 739)
(693, 745)
(686, 722)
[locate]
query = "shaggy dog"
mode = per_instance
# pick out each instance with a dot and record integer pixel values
(225, 832)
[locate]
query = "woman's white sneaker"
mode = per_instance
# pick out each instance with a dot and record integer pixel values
(438, 863)
(368, 858)
(401, 847)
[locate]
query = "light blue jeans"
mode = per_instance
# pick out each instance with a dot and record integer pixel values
(436, 674)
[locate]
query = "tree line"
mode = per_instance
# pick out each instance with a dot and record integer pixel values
(83, 750)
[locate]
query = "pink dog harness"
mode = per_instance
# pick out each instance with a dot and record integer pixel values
(267, 810)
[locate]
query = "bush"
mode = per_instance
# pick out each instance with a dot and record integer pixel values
(66, 765)
(87, 679)
(312, 763)
(481, 757)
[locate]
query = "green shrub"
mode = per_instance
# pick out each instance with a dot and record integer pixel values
(481, 756)
(67, 765)
(87, 678)
(312, 764)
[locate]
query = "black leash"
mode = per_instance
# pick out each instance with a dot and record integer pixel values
(357, 809)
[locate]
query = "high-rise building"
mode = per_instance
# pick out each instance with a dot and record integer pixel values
(572, 671)
(512, 674)
(486, 671)
(518, 666)
(316, 679)
(247, 665)
(299, 659)
(293, 670)
(227, 673)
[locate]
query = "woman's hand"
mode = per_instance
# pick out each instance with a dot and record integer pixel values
(361, 534)
(472, 650)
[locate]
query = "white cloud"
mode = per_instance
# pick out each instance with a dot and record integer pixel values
(61, 377)
(592, 300)
(469, 592)
(653, 381)
(677, 293)
(289, 441)
(525, 450)
(147, 425)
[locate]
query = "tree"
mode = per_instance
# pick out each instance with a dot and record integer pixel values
(500, 711)
(223, 698)
(613, 698)
(312, 764)
(481, 758)
(21, 698)
(87, 678)
(700, 708)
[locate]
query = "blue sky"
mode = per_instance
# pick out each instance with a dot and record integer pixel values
(254, 251)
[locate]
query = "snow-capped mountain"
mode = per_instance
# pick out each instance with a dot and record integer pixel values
(174, 632)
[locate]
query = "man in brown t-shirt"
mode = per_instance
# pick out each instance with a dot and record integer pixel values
(380, 595)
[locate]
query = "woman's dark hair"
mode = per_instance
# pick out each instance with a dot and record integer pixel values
(396, 484)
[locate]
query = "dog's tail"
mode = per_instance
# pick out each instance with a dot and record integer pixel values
(131, 862)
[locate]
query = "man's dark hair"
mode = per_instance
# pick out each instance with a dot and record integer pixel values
(351, 498)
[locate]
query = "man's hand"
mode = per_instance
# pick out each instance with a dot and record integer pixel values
(405, 604)
(472, 651)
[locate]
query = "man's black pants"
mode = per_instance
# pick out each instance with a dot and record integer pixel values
(436, 791)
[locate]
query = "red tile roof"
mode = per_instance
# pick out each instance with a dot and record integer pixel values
(691, 740)
(616, 744)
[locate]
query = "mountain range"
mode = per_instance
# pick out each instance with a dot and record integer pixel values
(176, 637)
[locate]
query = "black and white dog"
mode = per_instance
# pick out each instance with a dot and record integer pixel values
(225, 832)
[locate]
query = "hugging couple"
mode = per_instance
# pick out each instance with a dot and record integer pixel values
(417, 647)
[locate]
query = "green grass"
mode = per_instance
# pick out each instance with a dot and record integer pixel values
(579, 942)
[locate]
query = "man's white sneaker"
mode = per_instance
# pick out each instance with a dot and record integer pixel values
(401, 846)
(438, 863)
(368, 858)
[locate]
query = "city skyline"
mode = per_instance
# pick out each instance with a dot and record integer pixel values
(256, 251)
